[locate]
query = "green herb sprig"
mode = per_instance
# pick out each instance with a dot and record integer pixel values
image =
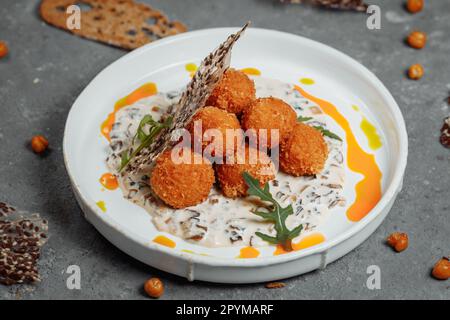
(303, 119)
(145, 139)
(328, 133)
(324, 131)
(277, 214)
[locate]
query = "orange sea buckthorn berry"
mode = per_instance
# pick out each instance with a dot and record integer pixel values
(414, 6)
(415, 72)
(3, 49)
(154, 287)
(39, 144)
(441, 269)
(398, 241)
(417, 39)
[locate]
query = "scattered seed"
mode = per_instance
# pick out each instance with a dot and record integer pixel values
(275, 285)
(441, 270)
(398, 241)
(414, 6)
(3, 49)
(417, 39)
(39, 144)
(415, 72)
(154, 287)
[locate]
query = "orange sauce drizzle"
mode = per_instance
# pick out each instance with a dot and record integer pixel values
(368, 190)
(109, 181)
(251, 71)
(143, 91)
(306, 242)
(164, 241)
(248, 252)
(309, 241)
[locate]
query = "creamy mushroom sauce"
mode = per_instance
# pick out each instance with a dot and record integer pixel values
(220, 221)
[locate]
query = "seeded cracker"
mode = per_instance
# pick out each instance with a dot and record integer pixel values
(21, 237)
(121, 23)
(194, 97)
(357, 5)
(445, 133)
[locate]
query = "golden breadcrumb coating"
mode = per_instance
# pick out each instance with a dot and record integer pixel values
(233, 93)
(181, 185)
(269, 113)
(215, 118)
(230, 175)
(304, 152)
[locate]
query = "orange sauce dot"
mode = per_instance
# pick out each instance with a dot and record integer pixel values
(248, 252)
(279, 250)
(251, 71)
(306, 242)
(109, 181)
(309, 241)
(164, 241)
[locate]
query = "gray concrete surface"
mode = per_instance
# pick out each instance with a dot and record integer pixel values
(48, 68)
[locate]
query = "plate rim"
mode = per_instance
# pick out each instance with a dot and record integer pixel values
(215, 261)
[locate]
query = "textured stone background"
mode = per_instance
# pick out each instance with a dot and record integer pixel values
(48, 68)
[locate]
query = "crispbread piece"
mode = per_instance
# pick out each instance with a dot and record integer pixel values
(357, 5)
(208, 74)
(22, 234)
(121, 23)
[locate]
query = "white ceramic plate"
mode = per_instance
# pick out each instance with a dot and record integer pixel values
(325, 73)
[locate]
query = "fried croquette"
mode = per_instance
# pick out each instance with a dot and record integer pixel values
(215, 118)
(270, 114)
(181, 185)
(257, 164)
(234, 93)
(304, 152)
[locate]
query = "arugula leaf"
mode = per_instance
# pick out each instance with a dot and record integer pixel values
(267, 238)
(324, 131)
(277, 214)
(255, 190)
(145, 139)
(304, 119)
(124, 160)
(328, 133)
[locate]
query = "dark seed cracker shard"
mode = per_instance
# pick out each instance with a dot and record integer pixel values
(445, 133)
(357, 5)
(209, 73)
(121, 23)
(21, 237)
